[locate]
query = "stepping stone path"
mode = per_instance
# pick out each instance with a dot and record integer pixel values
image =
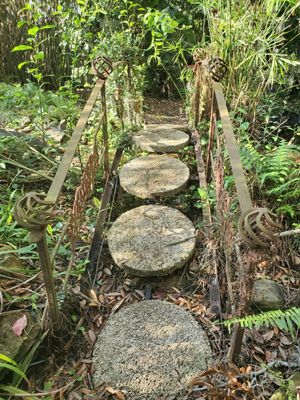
(161, 140)
(154, 176)
(152, 348)
(152, 240)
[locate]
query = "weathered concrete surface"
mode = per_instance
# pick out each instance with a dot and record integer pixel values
(161, 140)
(150, 349)
(152, 240)
(154, 176)
(179, 127)
(267, 295)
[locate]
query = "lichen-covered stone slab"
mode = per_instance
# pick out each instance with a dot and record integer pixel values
(150, 349)
(154, 176)
(152, 240)
(179, 127)
(267, 295)
(161, 139)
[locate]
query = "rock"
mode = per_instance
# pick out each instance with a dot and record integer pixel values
(179, 127)
(154, 176)
(30, 139)
(152, 240)
(55, 134)
(150, 349)
(267, 295)
(290, 390)
(161, 140)
(10, 264)
(14, 346)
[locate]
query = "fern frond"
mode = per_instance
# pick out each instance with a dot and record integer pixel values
(288, 320)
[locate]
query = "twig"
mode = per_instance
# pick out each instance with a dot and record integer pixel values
(16, 164)
(181, 241)
(70, 266)
(58, 244)
(288, 233)
(24, 282)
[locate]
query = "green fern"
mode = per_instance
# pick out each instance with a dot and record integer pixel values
(287, 321)
(276, 173)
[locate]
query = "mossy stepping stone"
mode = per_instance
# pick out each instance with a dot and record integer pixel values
(179, 127)
(152, 240)
(161, 139)
(151, 349)
(154, 176)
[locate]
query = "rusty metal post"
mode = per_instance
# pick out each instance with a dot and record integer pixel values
(212, 128)
(105, 139)
(34, 213)
(47, 270)
(197, 95)
(130, 90)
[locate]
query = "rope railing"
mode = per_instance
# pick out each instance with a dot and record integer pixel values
(35, 211)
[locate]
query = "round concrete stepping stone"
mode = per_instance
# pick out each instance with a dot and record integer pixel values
(179, 127)
(150, 349)
(161, 140)
(154, 176)
(152, 240)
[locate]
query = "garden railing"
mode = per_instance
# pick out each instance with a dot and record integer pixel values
(36, 211)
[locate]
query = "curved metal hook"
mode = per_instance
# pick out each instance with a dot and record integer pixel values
(256, 227)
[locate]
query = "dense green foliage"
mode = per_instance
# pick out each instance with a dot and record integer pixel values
(258, 40)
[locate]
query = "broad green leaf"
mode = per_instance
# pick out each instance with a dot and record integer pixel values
(26, 8)
(21, 65)
(21, 23)
(39, 56)
(97, 202)
(33, 31)
(22, 47)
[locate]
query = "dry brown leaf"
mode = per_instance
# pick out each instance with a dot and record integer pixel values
(119, 395)
(93, 296)
(284, 340)
(268, 355)
(258, 349)
(117, 306)
(110, 390)
(258, 337)
(268, 335)
(282, 353)
(92, 336)
(107, 271)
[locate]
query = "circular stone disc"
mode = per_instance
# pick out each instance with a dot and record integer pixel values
(154, 176)
(152, 240)
(150, 349)
(161, 140)
(179, 127)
